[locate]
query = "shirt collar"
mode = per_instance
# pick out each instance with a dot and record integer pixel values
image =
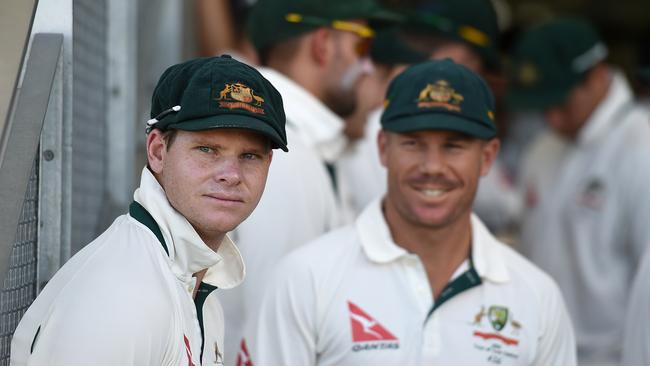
(604, 116)
(316, 124)
(187, 251)
(378, 245)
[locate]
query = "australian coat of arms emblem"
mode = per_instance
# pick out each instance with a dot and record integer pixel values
(440, 94)
(238, 95)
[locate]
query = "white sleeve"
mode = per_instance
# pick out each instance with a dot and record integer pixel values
(284, 330)
(556, 342)
(102, 329)
(636, 344)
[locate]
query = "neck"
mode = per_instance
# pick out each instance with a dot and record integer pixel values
(441, 249)
(212, 240)
(302, 73)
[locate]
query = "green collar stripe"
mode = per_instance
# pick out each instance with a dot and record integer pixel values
(464, 282)
(140, 214)
(201, 295)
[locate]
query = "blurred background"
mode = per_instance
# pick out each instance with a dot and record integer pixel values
(76, 78)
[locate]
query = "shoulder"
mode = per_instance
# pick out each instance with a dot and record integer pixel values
(122, 272)
(527, 277)
(332, 249)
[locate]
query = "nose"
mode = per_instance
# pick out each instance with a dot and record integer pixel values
(228, 171)
(433, 162)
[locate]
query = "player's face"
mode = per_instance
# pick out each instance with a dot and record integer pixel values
(214, 178)
(349, 65)
(567, 119)
(433, 175)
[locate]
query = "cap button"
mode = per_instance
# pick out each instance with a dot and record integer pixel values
(226, 56)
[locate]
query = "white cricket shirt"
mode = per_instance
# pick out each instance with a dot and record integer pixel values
(126, 298)
(355, 298)
(588, 214)
(299, 202)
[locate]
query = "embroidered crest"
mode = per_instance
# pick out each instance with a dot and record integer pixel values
(238, 95)
(593, 195)
(498, 316)
(440, 94)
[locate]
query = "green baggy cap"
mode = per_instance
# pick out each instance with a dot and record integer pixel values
(550, 60)
(440, 95)
(275, 21)
(473, 22)
(218, 92)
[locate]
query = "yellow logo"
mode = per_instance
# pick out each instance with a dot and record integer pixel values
(238, 95)
(440, 94)
(528, 74)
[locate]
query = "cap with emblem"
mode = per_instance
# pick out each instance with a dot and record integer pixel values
(550, 60)
(472, 22)
(440, 95)
(218, 92)
(274, 21)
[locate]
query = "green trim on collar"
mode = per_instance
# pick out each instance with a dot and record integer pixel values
(201, 295)
(144, 217)
(465, 281)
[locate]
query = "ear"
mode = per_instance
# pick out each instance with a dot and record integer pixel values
(319, 45)
(382, 141)
(489, 155)
(156, 149)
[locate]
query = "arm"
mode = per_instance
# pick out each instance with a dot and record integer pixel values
(102, 318)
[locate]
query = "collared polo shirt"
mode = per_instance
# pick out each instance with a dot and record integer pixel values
(354, 297)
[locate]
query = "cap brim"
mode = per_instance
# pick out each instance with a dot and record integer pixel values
(233, 121)
(439, 121)
(537, 101)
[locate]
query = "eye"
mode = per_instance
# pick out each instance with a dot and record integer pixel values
(409, 142)
(250, 156)
(204, 149)
(454, 145)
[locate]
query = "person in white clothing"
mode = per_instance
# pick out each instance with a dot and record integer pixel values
(418, 279)
(585, 181)
(142, 293)
(315, 53)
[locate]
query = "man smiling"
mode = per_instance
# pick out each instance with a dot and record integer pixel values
(140, 294)
(418, 279)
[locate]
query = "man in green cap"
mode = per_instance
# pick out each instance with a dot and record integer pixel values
(585, 180)
(142, 292)
(465, 31)
(315, 52)
(418, 279)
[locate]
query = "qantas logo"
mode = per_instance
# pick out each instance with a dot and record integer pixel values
(367, 333)
(243, 357)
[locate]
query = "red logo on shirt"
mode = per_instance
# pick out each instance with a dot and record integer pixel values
(365, 328)
(243, 357)
(188, 350)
